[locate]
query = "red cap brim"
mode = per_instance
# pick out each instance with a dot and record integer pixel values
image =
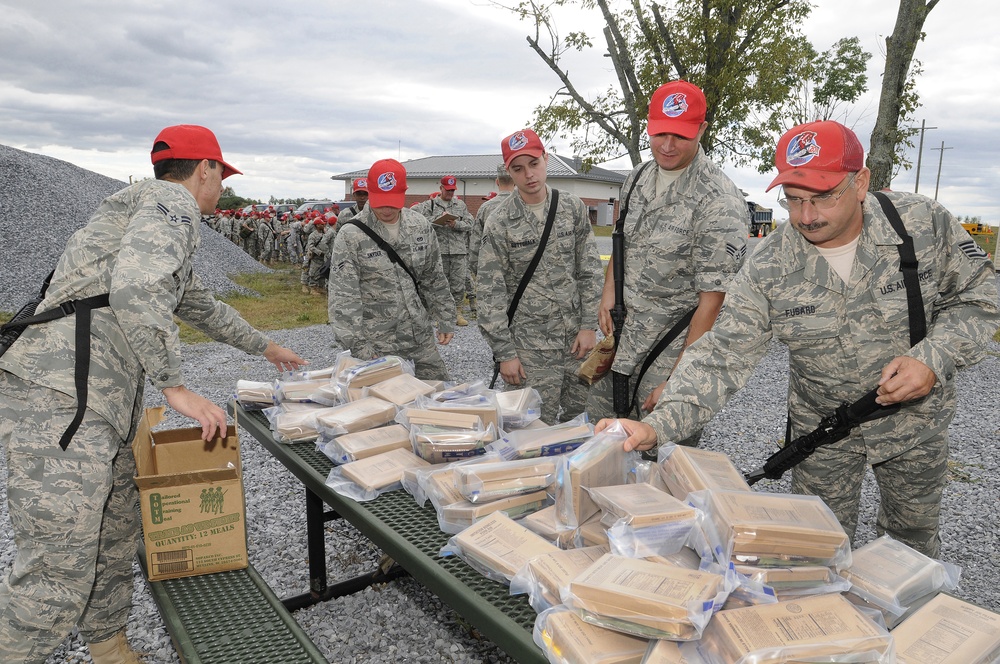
(806, 178)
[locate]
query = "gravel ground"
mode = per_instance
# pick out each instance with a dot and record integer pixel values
(44, 200)
(402, 622)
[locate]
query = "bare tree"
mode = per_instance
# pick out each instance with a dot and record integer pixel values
(898, 94)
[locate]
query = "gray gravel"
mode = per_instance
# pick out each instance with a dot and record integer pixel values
(44, 200)
(402, 622)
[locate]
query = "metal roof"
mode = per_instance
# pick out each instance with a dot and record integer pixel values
(485, 166)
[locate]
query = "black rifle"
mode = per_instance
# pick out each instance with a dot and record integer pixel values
(831, 429)
(619, 381)
(12, 329)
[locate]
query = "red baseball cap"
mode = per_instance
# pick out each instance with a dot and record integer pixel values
(191, 142)
(817, 156)
(521, 142)
(360, 184)
(449, 183)
(490, 196)
(677, 107)
(388, 178)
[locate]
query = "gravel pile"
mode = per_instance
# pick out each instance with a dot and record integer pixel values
(403, 622)
(44, 200)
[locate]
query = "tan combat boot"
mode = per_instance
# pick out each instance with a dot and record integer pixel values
(114, 651)
(460, 320)
(316, 291)
(305, 289)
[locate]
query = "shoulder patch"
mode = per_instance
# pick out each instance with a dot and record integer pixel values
(971, 249)
(736, 253)
(173, 219)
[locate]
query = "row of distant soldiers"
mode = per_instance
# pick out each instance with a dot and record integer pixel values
(299, 238)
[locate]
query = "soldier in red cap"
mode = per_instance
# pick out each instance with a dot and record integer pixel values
(452, 222)
(832, 284)
(71, 396)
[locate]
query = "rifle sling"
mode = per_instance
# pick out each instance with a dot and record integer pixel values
(81, 309)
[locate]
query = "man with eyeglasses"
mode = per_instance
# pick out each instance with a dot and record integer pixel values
(830, 286)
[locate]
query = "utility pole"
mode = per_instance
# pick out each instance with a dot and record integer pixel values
(941, 159)
(920, 153)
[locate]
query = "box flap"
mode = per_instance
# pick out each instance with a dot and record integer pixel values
(142, 443)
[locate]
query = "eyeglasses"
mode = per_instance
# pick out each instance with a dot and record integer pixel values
(820, 201)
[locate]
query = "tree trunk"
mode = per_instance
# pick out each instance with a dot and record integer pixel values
(899, 49)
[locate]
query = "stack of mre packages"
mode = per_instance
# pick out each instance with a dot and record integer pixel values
(519, 408)
(642, 520)
(601, 461)
(947, 630)
(893, 578)
(772, 529)
(545, 441)
(820, 628)
(564, 637)
(647, 599)
(497, 546)
(687, 469)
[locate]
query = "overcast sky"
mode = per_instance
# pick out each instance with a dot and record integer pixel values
(299, 90)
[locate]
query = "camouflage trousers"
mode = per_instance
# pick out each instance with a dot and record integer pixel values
(74, 521)
(455, 268)
(553, 374)
(601, 404)
(316, 281)
(910, 485)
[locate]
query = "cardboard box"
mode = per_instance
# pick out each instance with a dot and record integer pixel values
(947, 630)
(191, 494)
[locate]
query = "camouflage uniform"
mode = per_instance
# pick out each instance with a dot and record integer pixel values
(690, 239)
(839, 337)
(374, 308)
(454, 242)
(247, 233)
(476, 242)
(559, 301)
(317, 256)
(265, 239)
(348, 214)
(73, 511)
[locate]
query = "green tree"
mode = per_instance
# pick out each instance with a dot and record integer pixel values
(898, 101)
(229, 200)
(748, 56)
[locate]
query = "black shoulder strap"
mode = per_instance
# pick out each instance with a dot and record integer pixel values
(530, 271)
(387, 248)
(908, 265)
(623, 210)
(657, 350)
(81, 368)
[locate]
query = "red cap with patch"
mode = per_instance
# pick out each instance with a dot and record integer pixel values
(191, 142)
(677, 107)
(817, 156)
(521, 142)
(387, 184)
(449, 183)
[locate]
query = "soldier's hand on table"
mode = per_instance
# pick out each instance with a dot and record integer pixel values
(283, 358)
(583, 344)
(641, 436)
(904, 379)
(650, 403)
(187, 403)
(512, 372)
(444, 338)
